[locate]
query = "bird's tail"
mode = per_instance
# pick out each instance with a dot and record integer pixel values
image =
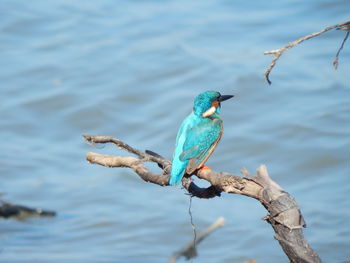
(178, 168)
(175, 180)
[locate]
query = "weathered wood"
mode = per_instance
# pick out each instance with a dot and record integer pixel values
(283, 212)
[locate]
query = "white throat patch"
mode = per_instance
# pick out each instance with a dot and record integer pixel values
(209, 112)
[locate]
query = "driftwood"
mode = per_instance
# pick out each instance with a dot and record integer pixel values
(9, 210)
(277, 53)
(189, 250)
(283, 212)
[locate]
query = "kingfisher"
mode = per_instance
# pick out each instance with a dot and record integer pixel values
(198, 136)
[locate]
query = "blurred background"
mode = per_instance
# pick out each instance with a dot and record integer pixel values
(131, 69)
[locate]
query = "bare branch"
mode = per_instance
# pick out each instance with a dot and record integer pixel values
(335, 61)
(131, 162)
(145, 156)
(189, 250)
(278, 52)
(283, 212)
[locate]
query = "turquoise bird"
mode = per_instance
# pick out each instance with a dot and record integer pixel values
(198, 136)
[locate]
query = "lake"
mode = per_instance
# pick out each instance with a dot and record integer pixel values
(131, 69)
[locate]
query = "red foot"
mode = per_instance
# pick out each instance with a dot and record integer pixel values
(203, 168)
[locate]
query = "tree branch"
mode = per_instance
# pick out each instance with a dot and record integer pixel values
(277, 53)
(283, 212)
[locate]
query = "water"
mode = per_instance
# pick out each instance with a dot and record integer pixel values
(131, 69)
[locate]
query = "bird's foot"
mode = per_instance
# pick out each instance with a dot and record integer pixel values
(203, 168)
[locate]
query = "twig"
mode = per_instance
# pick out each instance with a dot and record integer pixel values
(147, 156)
(277, 53)
(192, 223)
(335, 61)
(189, 250)
(283, 212)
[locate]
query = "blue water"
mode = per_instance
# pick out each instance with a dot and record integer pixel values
(131, 69)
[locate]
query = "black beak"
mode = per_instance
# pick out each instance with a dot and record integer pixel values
(225, 97)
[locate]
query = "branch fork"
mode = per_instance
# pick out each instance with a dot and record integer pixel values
(283, 212)
(277, 53)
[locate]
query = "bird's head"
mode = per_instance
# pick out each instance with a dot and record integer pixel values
(208, 103)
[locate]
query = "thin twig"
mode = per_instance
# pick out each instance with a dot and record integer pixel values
(278, 52)
(109, 139)
(192, 224)
(335, 61)
(145, 156)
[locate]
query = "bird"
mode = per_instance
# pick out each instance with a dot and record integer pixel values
(198, 136)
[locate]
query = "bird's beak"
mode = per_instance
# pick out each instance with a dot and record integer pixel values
(225, 97)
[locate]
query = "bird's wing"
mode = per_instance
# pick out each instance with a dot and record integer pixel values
(201, 141)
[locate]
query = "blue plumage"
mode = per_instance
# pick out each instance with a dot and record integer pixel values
(198, 135)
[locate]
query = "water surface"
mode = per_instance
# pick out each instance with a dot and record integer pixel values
(131, 69)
